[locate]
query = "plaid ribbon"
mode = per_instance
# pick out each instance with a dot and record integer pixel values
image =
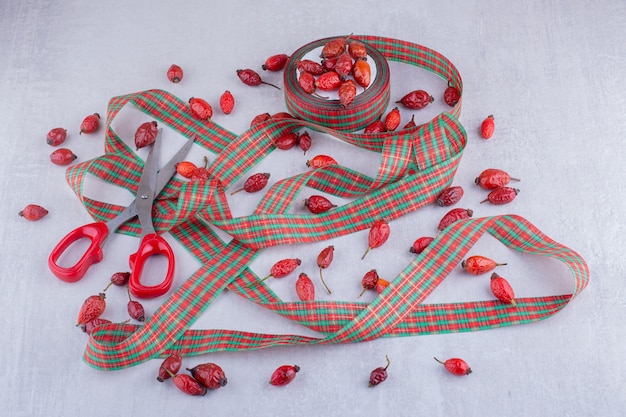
(416, 164)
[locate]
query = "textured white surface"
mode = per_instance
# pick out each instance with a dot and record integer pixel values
(553, 75)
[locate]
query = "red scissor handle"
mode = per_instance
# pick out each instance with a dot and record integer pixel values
(151, 244)
(96, 233)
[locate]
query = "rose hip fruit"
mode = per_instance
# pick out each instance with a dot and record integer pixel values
(306, 80)
(381, 284)
(90, 124)
(200, 108)
(286, 141)
(347, 93)
(329, 81)
(135, 308)
(362, 73)
(392, 120)
(201, 174)
(377, 126)
(33, 212)
(420, 244)
(92, 308)
(487, 127)
(456, 366)
(284, 374)
(146, 134)
(90, 326)
(188, 385)
(493, 178)
(175, 73)
(329, 64)
(304, 141)
(227, 102)
(369, 281)
(318, 204)
(252, 78)
(416, 99)
(275, 62)
(343, 66)
(120, 278)
(411, 123)
(62, 156)
(333, 48)
(502, 195)
(209, 375)
(56, 136)
(477, 264)
(378, 234)
(451, 95)
(320, 161)
(305, 288)
(254, 183)
(501, 289)
(186, 168)
(282, 268)
(453, 216)
(259, 118)
(379, 374)
(450, 196)
(324, 259)
(357, 50)
(307, 65)
(170, 366)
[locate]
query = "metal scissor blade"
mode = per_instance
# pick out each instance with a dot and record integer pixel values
(169, 169)
(146, 190)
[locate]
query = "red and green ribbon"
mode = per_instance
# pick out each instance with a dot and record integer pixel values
(415, 165)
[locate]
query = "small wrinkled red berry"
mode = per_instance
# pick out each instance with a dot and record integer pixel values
(493, 178)
(56, 136)
(254, 183)
(318, 204)
(305, 289)
(90, 124)
(347, 92)
(420, 244)
(312, 67)
(329, 81)
(343, 66)
(456, 366)
(502, 195)
(324, 259)
(275, 62)
(362, 73)
(146, 134)
(392, 120)
(201, 174)
(252, 78)
(175, 73)
(33, 212)
(200, 108)
(478, 264)
(188, 385)
(284, 374)
(91, 326)
(333, 48)
(209, 375)
(304, 142)
(92, 308)
(451, 95)
(450, 196)
(453, 216)
(120, 278)
(259, 118)
(501, 289)
(227, 102)
(283, 267)
(416, 99)
(381, 284)
(320, 161)
(369, 281)
(62, 156)
(487, 127)
(170, 366)
(379, 374)
(377, 126)
(186, 168)
(378, 235)
(306, 80)
(357, 50)
(286, 140)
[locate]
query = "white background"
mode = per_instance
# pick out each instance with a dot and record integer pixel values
(552, 74)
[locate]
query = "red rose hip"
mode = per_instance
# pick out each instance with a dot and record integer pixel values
(284, 374)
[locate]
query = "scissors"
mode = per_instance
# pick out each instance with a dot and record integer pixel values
(150, 185)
